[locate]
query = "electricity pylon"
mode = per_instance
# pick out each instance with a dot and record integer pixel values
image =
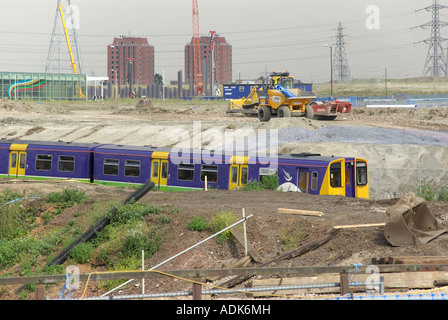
(64, 55)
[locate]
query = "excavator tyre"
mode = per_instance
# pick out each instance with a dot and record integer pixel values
(411, 222)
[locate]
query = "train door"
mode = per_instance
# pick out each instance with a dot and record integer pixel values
(17, 160)
(239, 175)
(159, 169)
(303, 177)
(349, 179)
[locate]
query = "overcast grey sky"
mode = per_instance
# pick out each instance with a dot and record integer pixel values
(265, 35)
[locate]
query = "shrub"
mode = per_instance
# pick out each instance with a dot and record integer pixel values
(67, 197)
(293, 237)
(197, 224)
(220, 221)
(269, 182)
(82, 252)
(133, 212)
(251, 185)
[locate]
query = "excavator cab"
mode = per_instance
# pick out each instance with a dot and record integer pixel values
(282, 79)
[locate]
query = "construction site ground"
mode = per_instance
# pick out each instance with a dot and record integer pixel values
(115, 122)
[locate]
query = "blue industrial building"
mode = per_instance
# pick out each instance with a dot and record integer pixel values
(238, 91)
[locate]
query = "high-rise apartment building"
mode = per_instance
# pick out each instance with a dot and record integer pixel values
(130, 60)
(222, 60)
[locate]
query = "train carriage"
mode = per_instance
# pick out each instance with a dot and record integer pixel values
(37, 159)
(172, 169)
(118, 164)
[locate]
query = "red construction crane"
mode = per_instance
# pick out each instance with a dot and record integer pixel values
(197, 70)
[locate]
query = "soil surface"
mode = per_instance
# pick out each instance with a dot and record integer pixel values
(127, 124)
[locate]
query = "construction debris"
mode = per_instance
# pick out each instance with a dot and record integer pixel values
(411, 222)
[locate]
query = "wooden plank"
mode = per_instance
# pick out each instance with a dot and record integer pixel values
(250, 249)
(392, 282)
(359, 225)
(413, 260)
(301, 212)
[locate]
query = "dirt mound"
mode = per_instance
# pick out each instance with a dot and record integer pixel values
(267, 230)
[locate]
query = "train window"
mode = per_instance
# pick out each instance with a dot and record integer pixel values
(303, 181)
(110, 167)
(22, 163)
(185, 172)
(211, 172)
(132, 168)
(164, 170)
(314, 181)
(13, 162)
(234, 174)
(155, 169)
(361, 173)
(244, 175)
(66, 164)
(43, 162)
(335, 174)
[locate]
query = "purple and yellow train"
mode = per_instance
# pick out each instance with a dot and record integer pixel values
(171, 169)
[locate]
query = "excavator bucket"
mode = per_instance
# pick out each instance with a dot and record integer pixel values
(411, 222)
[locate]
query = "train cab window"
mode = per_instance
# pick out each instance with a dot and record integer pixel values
(335, 174)
(244, 175)
(314, 180)
(132, 168)
(211, 172)
(66, 164)
(43, 162)
(110, 167)
(185, 172)
(361, 173)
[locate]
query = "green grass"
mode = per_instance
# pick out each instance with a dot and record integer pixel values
(430, 191)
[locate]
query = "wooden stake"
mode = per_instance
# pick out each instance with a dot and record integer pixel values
(301, 212)
(359, 226)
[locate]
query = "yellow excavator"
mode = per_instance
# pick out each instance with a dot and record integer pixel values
(277, 96)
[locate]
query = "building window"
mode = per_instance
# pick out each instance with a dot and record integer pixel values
(110, 167)
(66, 164)
(43, 162)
